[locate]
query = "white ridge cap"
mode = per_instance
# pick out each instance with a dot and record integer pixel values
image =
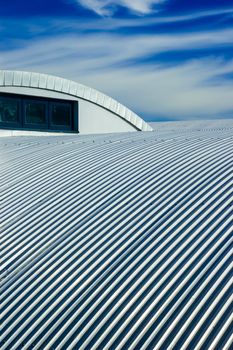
(68, 87)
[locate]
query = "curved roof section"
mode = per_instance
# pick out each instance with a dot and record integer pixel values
(68, 87)
(121, 241)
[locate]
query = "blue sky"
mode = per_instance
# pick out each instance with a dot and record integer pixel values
(165, 59)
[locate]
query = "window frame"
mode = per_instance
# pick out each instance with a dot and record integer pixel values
(52, 126)
(10, 124)
(37, 126)
(22, 124)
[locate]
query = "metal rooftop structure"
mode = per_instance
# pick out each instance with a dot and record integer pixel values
(118, 241)
(35, 101)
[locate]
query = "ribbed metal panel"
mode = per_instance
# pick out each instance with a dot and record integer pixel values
(119, 241)
(48, 82)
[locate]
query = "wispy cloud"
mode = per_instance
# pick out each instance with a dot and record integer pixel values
(108, 7)
(197, 88)
(116, 23)
(170, 64)
(97, 51)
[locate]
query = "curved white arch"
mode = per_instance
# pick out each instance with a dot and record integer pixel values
(68, 87)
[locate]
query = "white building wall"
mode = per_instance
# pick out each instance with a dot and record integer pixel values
(102, 113)
(92, 118)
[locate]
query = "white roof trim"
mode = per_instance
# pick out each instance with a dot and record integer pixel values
(68, 87)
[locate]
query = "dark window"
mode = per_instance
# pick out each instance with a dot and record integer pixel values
(9, 110)
(35, 113)
(61, 114)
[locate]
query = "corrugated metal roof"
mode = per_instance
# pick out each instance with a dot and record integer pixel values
(68, 87)
(119, 241)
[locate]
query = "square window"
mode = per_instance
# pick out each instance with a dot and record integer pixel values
(61, 114)
(9, 110)
(35, 113)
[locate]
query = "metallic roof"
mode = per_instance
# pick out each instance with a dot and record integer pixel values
(68, 87)
(119, 241)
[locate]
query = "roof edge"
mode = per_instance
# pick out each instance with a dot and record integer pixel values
(72, 88)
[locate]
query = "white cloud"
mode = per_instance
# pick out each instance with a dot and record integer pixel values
(92, 52)
(107, 7)
(108, 23)
(193, 89)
